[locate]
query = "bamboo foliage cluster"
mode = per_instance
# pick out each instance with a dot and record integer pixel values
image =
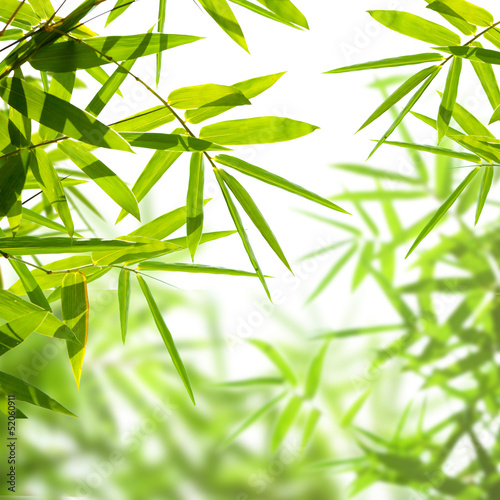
(58, 48)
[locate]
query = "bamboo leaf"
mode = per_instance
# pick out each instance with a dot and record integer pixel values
(463, 10)
(263, 130)
(120, 7)
(13, 307)
(314, 373)
(253, 418)
(31, 286)
(171, 142)
(58, 114)
(162, 13)
(24, 18)
(71, 55)
(443, 209)
(16, 331)
(222, 14)
(241, 230)
(391, 62)
(46, 176)
(246, 201)
(262, 12)
(465, 27)
(274, 180)
(124, 300)
(105, 178)
(485, 189)
(34, 245)
(312, 421)
(353, 411)
(42, 8)
(285, 421)
(30, 394)
(377, 173)
(276, 358)
(286, 10)
(75, 313)
(250, 88)
(166, 336)
(195, 202)
(450, 153)
(473, 53)
(152, 265)
(145, 120)
(415, 27)
(109, 89)
(449, 97)
(13, 170)
(206, 96)
(365, 257)
(407, 108)
(488, 80)
(403, 90)
(61, 86)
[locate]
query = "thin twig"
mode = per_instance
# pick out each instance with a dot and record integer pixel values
(14, 14)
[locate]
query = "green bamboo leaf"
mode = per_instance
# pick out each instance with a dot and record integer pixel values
(250, 88)
(472, 53)
(415, 27)
(14, 216)
(13, 171)
(337, 267)
(403, 90)
(152, 265)
(146, 248)
(24, 18)
(487, 79)
(312, 421)
(16, 331)
(241, 230)
(30, 394)
(105, 178)
(276, 358)
(285, 421)
(164, 225)
(222, 14)
(391, 62)
(42, 8)
(171, 142)
(162, 13)
(263, 12)
(485, 189)
(246, 201)
(166, 336)
(19, 126)
(71, 55)
(443, 209)
(253, 418)
(13, 34)
(109, 89)
(437, 151)
(465, 27)
(367, 218)
(157, 166)
(354, 332)
(75, 313)
(463, 10)
(195, 202)
(46, 176)
(145, 120)
(407, 108)
(206, 96)
(206, 237)
(286, 10)
(353, 411)
(274, 180)
(124, 300)
(61, 86)
(13, 307)
(34, 245)
(120, 7)
(449, 97)
(58, 114)
(30, 284)
(263, 130)
(377, 173)
(100, 76)
(381, 195)
(361, 271)
(251, 382)
(314, 373)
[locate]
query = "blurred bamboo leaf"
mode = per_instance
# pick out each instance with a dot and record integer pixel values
(124, 300)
